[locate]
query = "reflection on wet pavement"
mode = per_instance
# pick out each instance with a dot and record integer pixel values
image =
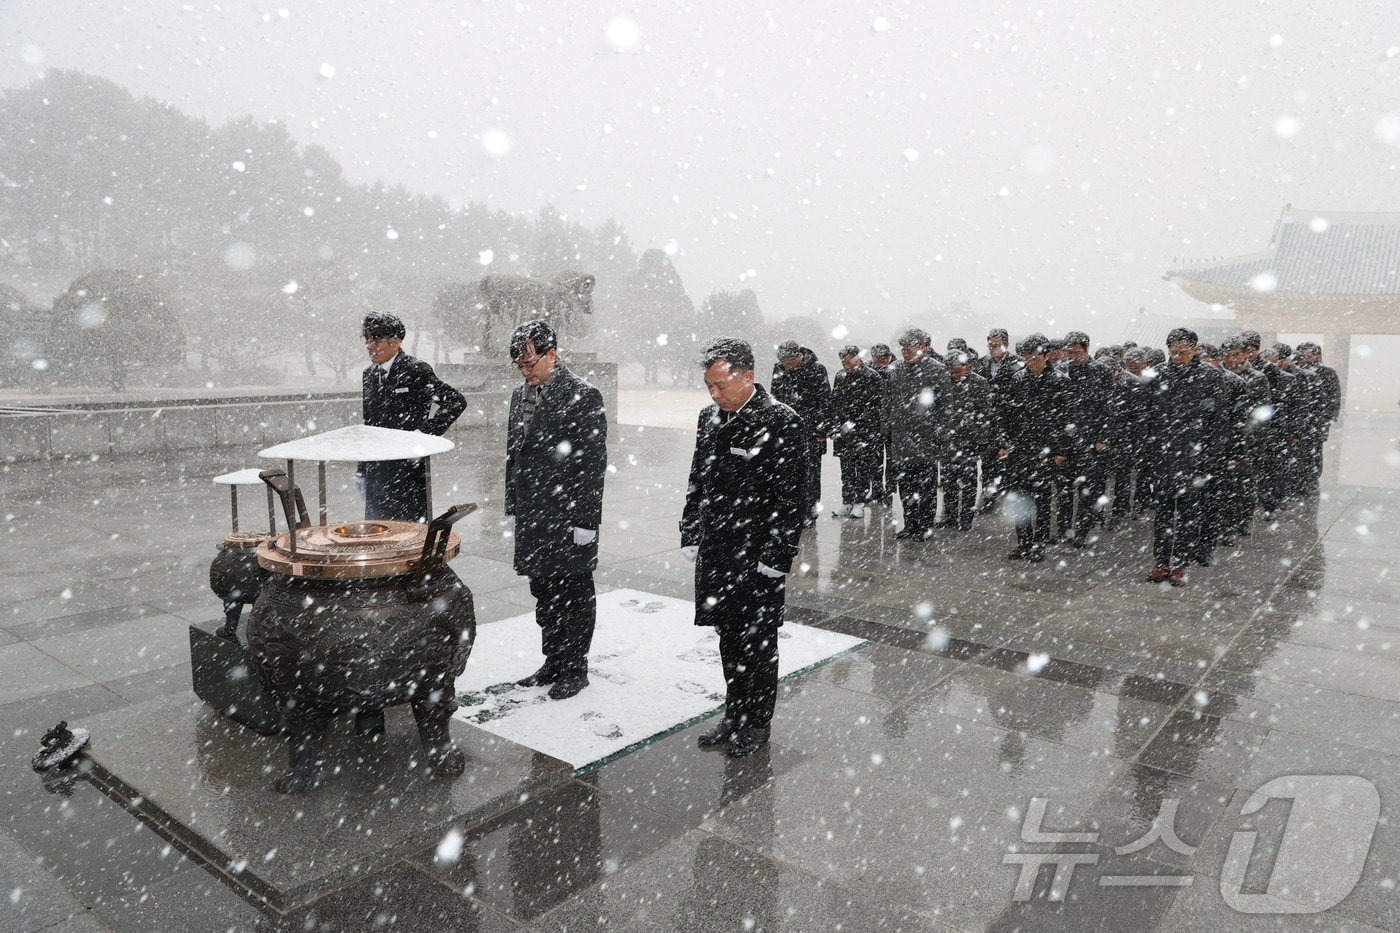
(899, 779)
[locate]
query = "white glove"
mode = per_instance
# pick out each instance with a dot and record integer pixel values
(769, 571)
(359, 485)
(584, 536)
(690, 552)
(508, 526)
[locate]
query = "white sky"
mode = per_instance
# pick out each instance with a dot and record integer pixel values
(852, 155)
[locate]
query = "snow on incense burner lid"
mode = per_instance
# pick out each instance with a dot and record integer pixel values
(360, 442)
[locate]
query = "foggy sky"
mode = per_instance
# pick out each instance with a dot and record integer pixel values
(1044, 161)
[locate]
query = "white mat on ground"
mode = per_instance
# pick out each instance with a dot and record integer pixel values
(651, 672)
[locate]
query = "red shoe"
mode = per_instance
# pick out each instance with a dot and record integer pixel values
(1158, 575)
(1178, 577)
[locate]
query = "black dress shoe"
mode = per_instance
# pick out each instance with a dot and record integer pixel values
(747, 741)
(568, 685)
(545, 675)
(448, 762)
(909, 534)
(722, 732)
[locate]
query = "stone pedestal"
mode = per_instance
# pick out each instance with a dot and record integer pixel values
(205, 783)
(226, 679)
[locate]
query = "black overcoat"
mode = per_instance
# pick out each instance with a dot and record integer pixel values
(743, 506)
(1089, 416)
(1190, 424)
(806, 391)
(1331, 392)
(1032, 413)
(856, 396)
(1128, 404)
(967, 418)
(554, 475)
(410, 397)
(914, 398)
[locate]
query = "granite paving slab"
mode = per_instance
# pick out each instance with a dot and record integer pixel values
(206, 783)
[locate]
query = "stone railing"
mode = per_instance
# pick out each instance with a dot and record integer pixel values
(30, 432)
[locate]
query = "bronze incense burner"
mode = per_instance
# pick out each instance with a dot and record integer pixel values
(360, 616)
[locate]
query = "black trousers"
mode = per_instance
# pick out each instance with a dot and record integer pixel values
(749, 655)
(1176, 530)
(1235, 500)
(1305, 466)
(1122, 467)
(884, 471)
(994, 479)
(1211, 521)
(1083, 483)
(1033, 511)
(1272, 476)
(859, 474)
(1063, 477)
(813, 461)
(1297, 468)
(395, 490)
(918, 491)
(566, 609)
(1316, 442)
(959, 491)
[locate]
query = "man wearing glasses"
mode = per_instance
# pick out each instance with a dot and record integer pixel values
(400, 391)
(556, 457)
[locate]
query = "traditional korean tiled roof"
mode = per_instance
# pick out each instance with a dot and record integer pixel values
(1150, 330)
(1315, 253)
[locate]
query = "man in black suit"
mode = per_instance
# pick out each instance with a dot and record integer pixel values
(744, 511)
(997, 367)
(1090, 440)
(1328, 407)
(400, 391)
(882, 361)
(1032, 422)
(800, 382)
(556, 459)
(856, 395)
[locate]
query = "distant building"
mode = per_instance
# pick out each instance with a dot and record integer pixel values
(1332, 274)
(1150, 330)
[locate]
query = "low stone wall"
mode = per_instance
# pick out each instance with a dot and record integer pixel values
(499, 376)
(41, 429)
(31, 432)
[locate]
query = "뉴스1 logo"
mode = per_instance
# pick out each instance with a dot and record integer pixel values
(1323, 850)
(1319, 860)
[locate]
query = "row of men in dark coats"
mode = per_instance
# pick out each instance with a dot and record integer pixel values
(1201, 434)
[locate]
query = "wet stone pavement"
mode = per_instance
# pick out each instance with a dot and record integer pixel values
(1066, 715)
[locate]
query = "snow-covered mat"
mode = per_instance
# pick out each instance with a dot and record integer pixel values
(651, 672)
